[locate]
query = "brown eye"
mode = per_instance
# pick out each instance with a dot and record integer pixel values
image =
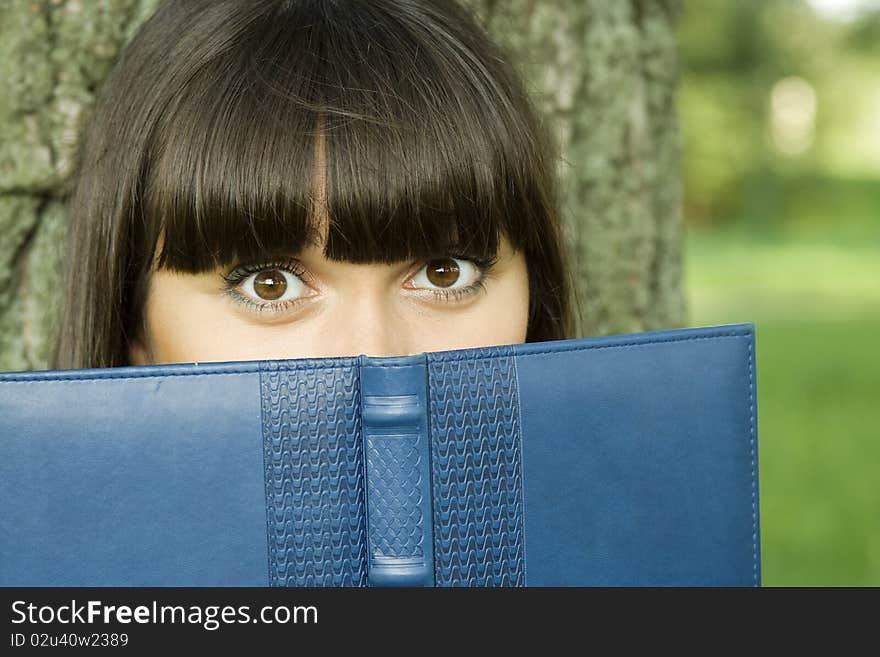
(443, 272)
(270, 284)
(446, 274)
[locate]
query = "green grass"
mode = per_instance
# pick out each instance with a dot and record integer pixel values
(817, 316)
(819, 451)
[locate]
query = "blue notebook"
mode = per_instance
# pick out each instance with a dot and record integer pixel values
(620, 460)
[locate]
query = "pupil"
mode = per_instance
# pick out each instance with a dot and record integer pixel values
(443, 271)
(270, 285)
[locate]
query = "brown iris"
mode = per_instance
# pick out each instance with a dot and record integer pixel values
(270, 285)
(443, 271)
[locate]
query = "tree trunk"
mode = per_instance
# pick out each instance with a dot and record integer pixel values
(53, 56)
(603, 71)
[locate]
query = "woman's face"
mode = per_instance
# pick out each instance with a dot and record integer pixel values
(313, 307)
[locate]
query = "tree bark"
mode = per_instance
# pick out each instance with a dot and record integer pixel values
(603, 72)
(53, 56)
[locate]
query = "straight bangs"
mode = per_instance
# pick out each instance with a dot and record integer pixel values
(383, 133)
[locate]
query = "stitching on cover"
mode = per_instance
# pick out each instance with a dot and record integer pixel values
(623, 345)
(365, 489)
(170, 375)
(522, 469)
(265, 483)
(754, 482)
(429, 439)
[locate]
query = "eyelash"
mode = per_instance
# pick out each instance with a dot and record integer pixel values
(234, 278)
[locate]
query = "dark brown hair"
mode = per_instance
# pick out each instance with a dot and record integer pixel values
(204, 132)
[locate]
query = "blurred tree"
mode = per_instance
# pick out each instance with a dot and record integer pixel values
(865, 34)
(736, 169)
(603, 72)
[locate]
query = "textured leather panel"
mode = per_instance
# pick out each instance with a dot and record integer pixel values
(132, 479)
(314, 460)
(477, 469)
(646, 470)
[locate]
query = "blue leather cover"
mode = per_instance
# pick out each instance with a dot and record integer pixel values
(620, 460)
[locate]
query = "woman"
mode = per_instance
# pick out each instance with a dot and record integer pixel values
(310, 178)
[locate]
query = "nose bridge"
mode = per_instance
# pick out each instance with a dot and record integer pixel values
(368, 323)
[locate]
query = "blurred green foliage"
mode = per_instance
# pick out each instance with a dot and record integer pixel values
(733, 53)
(780, 111)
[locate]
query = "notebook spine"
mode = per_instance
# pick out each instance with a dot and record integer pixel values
(398, 474)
